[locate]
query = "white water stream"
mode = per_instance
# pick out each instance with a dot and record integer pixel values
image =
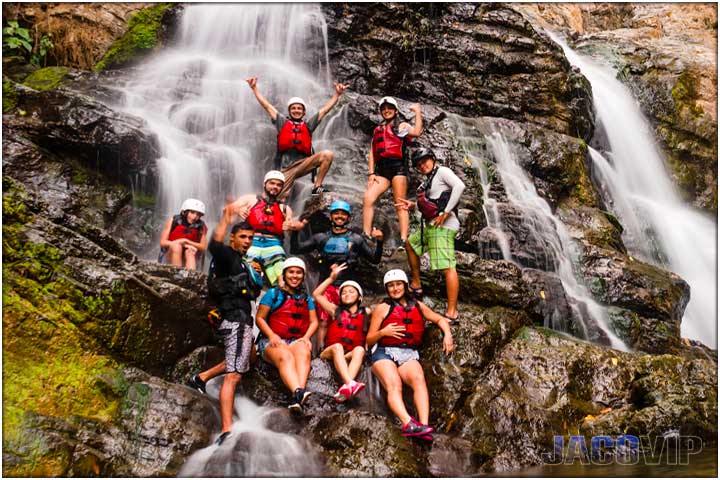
(659, 227)
(536, 215)
(216, 141)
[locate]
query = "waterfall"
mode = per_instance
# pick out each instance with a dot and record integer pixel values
(253, 450)
(659, 227)
(547, 231)
(216, 141)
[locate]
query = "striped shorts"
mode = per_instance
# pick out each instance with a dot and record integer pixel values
(269, 253)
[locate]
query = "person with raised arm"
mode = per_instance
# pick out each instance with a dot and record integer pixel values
(346, 331)
(295, 155)
(387, 163)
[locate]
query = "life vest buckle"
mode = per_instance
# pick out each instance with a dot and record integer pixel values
(296, 316)
(293, 330)
(407, 321)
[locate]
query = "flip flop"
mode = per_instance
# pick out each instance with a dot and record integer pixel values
(453, 321)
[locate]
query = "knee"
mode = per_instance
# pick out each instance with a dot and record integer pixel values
(418, 381)
(368, 201)
(231, 378)
(327, 156)
(175, 247)
(337, 349)
(358, 352)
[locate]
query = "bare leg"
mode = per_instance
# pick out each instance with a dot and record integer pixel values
(190, 259)
(302, 354)
(412, 375)
(356, 359)
(399, 186)
(283, 359)
(174, 254)
(212, 372)
(324, 160)
(337, 354)
(414, 262)
(371, 195)
(387, 373)
(453, 287)
(227, 398)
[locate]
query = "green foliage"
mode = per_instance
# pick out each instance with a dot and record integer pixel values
(140, 38)
(17, 38)
(46, 78)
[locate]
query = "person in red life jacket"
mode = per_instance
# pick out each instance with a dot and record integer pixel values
(396, 330)
(287, 321)
(184, 236)
(295, 156)
(387, 163)
(338, 245)
(270, 218)
(437, 198)
(345, 339)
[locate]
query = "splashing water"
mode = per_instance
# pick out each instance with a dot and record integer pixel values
(216, 141)
(252, 450)
(659, 227)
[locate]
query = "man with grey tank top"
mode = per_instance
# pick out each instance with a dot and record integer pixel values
(437, 198)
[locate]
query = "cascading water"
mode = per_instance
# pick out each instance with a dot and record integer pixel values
(538, 217)
(253, 450)
(216, 141)
(659, 227)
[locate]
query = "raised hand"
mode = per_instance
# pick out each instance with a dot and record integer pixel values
(415, 108)
(335, 269)
(340, 88)
(252, 81)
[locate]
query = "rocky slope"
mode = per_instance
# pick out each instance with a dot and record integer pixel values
(667, 54)
(94, 339)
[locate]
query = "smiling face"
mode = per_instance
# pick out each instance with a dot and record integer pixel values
(396, 289)
(297, 111)
(273, 187)
(339, 217)
(349, 295)
(426, 165)
(387, 111)
(192, 216)
(241, 240)
(294, 277)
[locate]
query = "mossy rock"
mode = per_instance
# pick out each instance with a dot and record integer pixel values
(45, 79)
(9, 97)
(140, 38)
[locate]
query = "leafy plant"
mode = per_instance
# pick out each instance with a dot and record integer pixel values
(44, 46)
(16, 37)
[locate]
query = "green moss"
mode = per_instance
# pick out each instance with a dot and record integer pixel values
(50, 367)
(685, 93)
(140, 38)
(9, 98)
(46, 78)
(143, 200)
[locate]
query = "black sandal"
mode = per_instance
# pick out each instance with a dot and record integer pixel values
(453, 321)
(416, 293)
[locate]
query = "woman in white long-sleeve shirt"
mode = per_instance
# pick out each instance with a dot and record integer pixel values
(437, 197)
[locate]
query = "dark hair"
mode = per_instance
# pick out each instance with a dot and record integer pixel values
(244, 225)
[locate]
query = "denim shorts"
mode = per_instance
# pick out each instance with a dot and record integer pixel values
(263, 342)
(399, 355)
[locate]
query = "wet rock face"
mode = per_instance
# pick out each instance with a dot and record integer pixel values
(443, 54)
(653, 300)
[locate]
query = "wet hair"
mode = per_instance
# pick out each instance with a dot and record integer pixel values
(244, 225)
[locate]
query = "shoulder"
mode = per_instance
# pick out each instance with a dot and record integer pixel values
(268, 296)
(313, 121)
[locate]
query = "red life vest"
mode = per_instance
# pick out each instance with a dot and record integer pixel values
(267, 217)
(431, 207)
(347, 329)
(409, 317)
(387, 145)
(295, 134)
(292, 318)
(180, 229)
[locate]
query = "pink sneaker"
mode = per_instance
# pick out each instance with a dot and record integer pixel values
(343, 393)
(356, 387)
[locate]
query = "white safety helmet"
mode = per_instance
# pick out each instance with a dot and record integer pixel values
(394, 275)
(294, 100)
(354, 284)
(193, 204)
(274, 175)
(389, 100)
(293, 262)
